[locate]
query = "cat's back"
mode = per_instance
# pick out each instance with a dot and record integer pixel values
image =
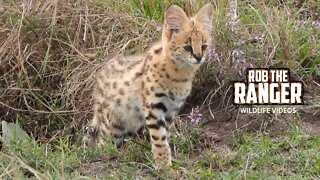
(118, 85)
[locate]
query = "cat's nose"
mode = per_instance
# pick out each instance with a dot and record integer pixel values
(197, 57)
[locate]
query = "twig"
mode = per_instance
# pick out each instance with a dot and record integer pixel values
(316, 83)
(33, 171)
(8, 172)
(39, 111)
(236, 121)
(211, 95)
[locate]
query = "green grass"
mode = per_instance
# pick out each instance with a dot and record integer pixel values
(47, 84)
(295, 155)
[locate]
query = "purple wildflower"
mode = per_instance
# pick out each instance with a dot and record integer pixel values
(240, 61)
(213, 55)
(316, 23)
(232, 20)
(195, 116)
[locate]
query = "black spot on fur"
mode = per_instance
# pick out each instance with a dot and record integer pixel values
(127, 83)
(160, 95)
(151, 115)
(159, 106)
(155, 137)
(158, 145)
(114, 85)
(153, 126)
(163, 137)
(149, 57)
(180, 80)
(140, 117)
(132, 65)
(121, 91)
(168, 120)
(158, 51)
(118, 101)
(171, 95)
(117, 126)
(161, 123)
(105, 105)
(147, 92)
(100, 110)
(131, 134)
(138, 74)
(167, 75)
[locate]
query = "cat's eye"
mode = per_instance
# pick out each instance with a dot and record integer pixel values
(204, 47)
(188, 48)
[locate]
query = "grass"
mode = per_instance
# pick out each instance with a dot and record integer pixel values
(294, 155)
(49, 49)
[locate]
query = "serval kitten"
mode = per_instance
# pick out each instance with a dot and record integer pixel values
(148, 90)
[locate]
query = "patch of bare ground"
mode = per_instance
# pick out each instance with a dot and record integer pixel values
(310, 113)
(112, 165)
(225, 120)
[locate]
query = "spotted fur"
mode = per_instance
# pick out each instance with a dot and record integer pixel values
(148, 90)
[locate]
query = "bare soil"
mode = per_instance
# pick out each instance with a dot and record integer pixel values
(227, 121)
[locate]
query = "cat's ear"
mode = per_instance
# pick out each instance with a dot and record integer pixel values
(203, 18)
(175, 19)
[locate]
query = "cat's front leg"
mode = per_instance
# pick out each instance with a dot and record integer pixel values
(157, 126)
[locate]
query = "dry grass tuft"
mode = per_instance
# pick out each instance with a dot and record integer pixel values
(49, 52)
